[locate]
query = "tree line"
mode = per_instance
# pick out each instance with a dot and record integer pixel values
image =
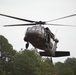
(29, 62)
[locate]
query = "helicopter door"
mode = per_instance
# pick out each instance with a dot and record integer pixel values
(47, 35)
(48, 38)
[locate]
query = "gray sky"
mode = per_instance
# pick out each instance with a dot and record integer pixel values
(40, 10)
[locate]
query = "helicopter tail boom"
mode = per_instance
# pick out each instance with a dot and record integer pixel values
(57, 54)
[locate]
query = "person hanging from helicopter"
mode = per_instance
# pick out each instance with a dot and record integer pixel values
(27, 45)
(50, 34)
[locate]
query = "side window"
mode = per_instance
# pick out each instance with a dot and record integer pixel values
(52, 41)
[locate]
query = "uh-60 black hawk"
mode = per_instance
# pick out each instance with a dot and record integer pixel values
(41, 37)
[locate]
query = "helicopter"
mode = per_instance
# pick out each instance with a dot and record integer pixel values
(41, 37)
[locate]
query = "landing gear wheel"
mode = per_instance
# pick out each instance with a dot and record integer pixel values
(27, 45)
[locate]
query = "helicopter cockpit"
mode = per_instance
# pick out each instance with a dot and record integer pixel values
(36, 30)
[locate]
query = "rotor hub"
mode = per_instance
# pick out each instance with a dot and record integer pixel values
(40, 22)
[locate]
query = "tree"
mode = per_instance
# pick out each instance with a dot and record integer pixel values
(30, 62)
(47, 68)
(6, 55)
(62, 69)
(26, 62)
(71, 63)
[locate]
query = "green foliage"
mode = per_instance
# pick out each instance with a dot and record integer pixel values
(6, 56)
(71, 64)
(29, 62)
(25, 63)
(62, 69)
(47, 68)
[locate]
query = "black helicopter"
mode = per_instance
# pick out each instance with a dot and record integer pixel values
(41, 37)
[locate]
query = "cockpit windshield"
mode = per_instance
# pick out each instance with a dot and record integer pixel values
(36, 29)
(40, 29)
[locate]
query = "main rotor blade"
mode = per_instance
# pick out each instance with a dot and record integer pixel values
(61, 25)
(18, 25)
(17, 18)
(62, 18)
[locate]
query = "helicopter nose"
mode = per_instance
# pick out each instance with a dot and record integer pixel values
(31, 35)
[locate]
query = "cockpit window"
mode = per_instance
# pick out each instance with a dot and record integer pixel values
(33, 28)
(38, 29)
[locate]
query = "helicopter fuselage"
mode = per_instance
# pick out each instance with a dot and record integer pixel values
(37, 36)
(42, 38)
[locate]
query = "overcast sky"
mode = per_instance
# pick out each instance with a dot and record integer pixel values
(40, 10)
